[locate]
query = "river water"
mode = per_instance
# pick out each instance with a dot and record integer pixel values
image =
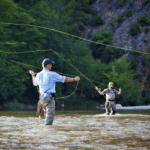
(73, 132)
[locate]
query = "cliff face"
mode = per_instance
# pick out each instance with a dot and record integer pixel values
(110, 10)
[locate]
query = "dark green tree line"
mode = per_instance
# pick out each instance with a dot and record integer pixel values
(72, 56)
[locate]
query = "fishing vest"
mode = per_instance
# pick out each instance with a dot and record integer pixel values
(110, 95)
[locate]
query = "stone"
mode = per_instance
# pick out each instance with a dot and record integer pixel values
(118, 105)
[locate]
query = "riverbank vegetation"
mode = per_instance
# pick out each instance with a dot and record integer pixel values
(69, 53)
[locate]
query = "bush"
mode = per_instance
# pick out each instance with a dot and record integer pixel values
(146, 2)
(112, 21)
(91, 1)
(88, 9)
(143, 60)
(147, 60)
(133, 59)
(128, 13)
(81, 26)
(131, 3)
(120, 18)
(137, 75)
(111, 53)
(13, 105)
(146, 100)
(93, 11)
(97, 21)
(134, 29)
(103, 36)
(124, 1)
(143, 20)
(146, 30)
(120, 3)
(122, 76)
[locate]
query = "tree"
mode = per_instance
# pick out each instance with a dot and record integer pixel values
(122, 75)
(103, 36)
(13, 77)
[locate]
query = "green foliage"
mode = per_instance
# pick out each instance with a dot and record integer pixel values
(146, 2)
(124, 1)
(91, 1)
(122, 76)
(134, 29)
(137, 75)
(146, 60)
(103, 36)
(106, 54)
(89, 10)
(7, 10)
(121, 3)
(133, 59)
(109, 54)
(120, 18)
(143, 20)
(112, 21)
(76, 57)
(146, 30)
(13, 77)
(26, 3)
(13, 105)
(131, 3)
(2, 35)
(97, 20)
(81, 26)
(145, 100)
(76, 14)
(128, 13)
(12, 86)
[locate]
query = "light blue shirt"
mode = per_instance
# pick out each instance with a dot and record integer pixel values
(46, 80)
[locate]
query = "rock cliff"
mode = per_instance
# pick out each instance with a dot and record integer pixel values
(110, 10)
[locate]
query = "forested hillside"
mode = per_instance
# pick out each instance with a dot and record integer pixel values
(31, 30)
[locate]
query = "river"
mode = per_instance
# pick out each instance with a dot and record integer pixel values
(76, 131)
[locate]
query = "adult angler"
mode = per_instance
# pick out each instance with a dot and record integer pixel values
(110, 92)
(46, 80)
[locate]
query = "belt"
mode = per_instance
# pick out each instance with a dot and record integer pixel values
(53, 95)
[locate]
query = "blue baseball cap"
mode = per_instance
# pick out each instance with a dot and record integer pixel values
(47, 61)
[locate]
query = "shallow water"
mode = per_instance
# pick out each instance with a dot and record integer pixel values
(70, 132)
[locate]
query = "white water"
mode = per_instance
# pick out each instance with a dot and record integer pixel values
(77, 132)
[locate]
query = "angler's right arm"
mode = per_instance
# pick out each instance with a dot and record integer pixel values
(33, 74)
(99, 90)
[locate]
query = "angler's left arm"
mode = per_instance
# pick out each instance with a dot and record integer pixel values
(33, 74)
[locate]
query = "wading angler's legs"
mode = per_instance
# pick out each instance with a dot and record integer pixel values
(50, 112)
(113, 108)
(107, 107)
(39, 109)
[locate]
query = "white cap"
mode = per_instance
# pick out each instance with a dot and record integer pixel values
(111, 84)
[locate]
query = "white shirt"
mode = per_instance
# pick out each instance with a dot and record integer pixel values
(46, 80)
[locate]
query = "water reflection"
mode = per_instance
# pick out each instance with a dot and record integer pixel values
(122, 131)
